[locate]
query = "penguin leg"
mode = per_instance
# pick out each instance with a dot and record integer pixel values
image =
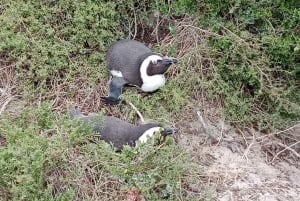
(115, 89)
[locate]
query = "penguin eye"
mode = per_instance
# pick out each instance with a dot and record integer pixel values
(157, 61)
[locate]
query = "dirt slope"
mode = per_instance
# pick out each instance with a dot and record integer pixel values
(235, 167)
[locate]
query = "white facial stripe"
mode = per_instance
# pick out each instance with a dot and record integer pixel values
(148, 134)
(143, 70)
(154, 82)
(116, 73)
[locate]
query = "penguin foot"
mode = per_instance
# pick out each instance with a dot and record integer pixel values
(110, 100)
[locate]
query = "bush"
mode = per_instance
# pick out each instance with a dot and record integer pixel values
(256, 59)
(56, 40)
(47, 157)
(28, 152)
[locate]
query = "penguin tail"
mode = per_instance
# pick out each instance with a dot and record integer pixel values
(74, 112)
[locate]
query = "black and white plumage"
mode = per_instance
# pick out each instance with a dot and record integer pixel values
(118, 132)
(131, 62)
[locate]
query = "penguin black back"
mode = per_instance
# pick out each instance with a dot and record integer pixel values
(126, 56)
(119, 132)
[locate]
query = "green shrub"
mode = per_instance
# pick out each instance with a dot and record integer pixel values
(28, 152)
(56, 40)
(50, 157)
(256, 59)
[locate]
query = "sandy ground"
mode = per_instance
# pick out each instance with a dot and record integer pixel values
(234, 166)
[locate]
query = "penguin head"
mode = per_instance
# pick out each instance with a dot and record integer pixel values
(163, 132)
(168, 131)
(157, 64)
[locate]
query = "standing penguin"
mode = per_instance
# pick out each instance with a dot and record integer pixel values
(117, 132)
(131, 62)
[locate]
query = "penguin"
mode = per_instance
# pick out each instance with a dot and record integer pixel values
(118, 132)
(132, 63)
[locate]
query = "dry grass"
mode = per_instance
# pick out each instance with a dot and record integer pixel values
(7, 84)
(86, 179)
(7, 93)
(283, 145)
(83, 94)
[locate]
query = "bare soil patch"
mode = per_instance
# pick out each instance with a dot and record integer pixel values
(235, 165)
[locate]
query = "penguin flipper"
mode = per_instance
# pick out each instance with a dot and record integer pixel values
(115, 90)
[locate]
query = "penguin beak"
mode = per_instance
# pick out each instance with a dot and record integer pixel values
(169, 131)
(168, 60)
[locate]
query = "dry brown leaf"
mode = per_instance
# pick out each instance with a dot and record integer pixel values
(133, 195)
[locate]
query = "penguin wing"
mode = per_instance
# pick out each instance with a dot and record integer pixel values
(118, 132)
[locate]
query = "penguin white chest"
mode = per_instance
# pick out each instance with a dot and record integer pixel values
(152, 83)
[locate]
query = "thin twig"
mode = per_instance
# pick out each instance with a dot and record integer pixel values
(201, 120)
(283, 131)
(249, 147)
(221, 133)
(5, 104)
(135, 25)
(243, 135)
(137, 111)
(286, 148)
(156, 28)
